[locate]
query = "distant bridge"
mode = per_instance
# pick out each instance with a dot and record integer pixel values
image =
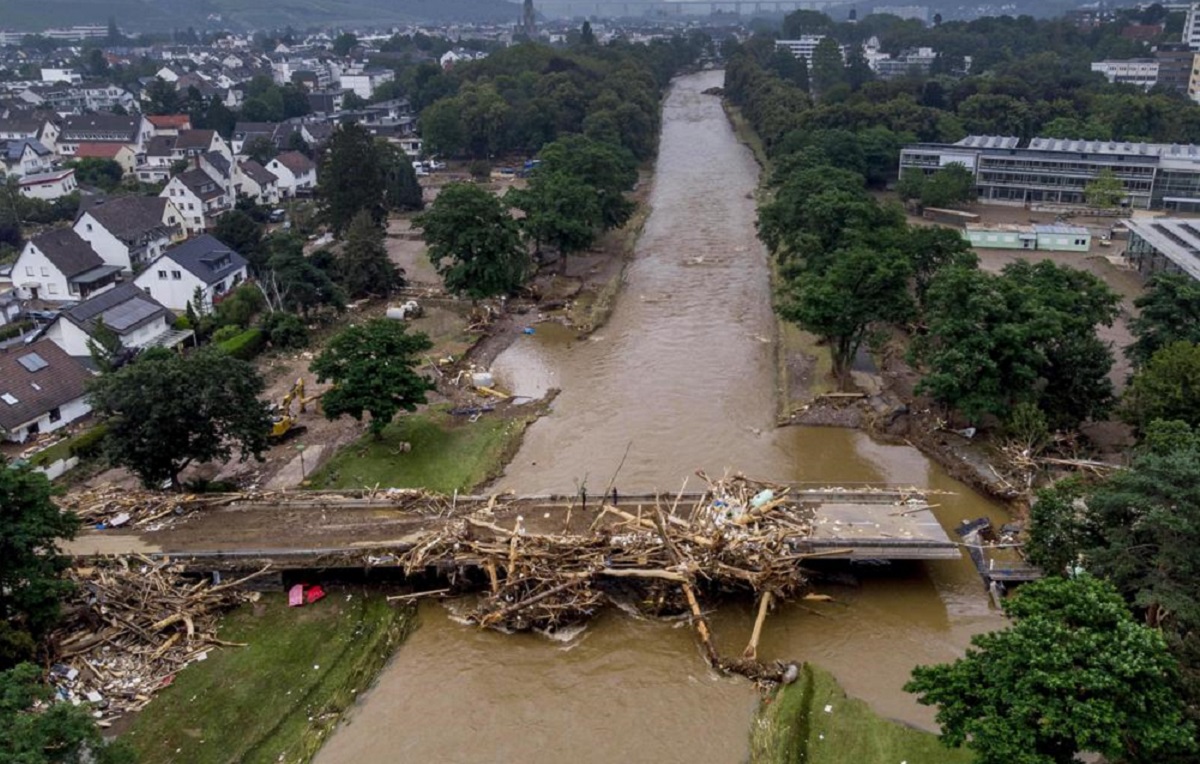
(660, 9)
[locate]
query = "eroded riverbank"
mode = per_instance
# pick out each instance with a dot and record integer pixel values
(682, 377)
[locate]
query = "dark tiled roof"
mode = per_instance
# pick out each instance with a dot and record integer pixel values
(60, 381)
(69, 253)
(123, 308)
(196, 179)
(218, 162)
(205, 258)
(13, 149)
(87, 126)
(256, 172)
(129, 218)
(194, 139)
(296, 162)
(160, 146)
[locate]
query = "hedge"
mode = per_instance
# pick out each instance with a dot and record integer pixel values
(245, 345)
(88, 444)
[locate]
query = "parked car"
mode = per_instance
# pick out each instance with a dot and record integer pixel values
(277, 215)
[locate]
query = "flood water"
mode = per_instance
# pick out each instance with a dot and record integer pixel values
(681, 378)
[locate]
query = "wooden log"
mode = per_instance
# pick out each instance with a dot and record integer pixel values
(764, 604)
(665, 575)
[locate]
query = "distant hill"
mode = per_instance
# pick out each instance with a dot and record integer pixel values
(156, 15)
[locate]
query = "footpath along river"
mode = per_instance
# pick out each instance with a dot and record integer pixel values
(683, 376)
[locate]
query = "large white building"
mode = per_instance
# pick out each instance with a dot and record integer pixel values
(1142, 72)
(1191, 27)
(803, 46)
(203, 264)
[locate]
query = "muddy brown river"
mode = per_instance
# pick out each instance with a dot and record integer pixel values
(681, 378)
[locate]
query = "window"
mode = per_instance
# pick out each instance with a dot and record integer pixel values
(28, 270)
(176, 275)
(1081, 242)
(162, 275)
(55, 414)
(89, 226)
(73, 288)
(53, 288)
(45, 272)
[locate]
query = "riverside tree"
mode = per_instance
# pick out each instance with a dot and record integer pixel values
(31, 585)
(474, 242)
(1167, 388)
(609, 169)
(560, 210)
(1075, 674)
(373, 370)
(166, 411)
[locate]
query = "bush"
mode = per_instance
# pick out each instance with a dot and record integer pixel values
(480, 169)
(285, 330)
(14, 330)
(226, 333)
(245, 345)
(240, 306)
(90, 443)
(183, 323)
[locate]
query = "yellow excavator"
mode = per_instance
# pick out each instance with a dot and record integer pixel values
(284, 424)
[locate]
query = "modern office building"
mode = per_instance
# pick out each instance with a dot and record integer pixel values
(1057, 171)
(1142, 72)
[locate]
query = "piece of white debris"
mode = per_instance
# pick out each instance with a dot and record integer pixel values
(316, 667)
(829, 709)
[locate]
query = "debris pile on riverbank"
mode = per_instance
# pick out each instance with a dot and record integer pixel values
(132, 624)
(739, 536)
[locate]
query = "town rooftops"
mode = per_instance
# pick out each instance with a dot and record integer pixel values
(130, 218)
(12, 150)
(989, 142)
(200, 183)
(194, 140)
(205, 258)
(296, 162)
(67, 251)
(124, 308)
(35, 379)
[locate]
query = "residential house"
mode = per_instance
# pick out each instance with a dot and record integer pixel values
(41, 129)
(137, 319)
(121, 153)
(59, 266)
(20, 157)
(198, 197)
(364, 82)
(49, 186)
(248, 132)
(41, 390)
(257, 182)
(297, 174)
(130, 231)
(201, 263)
(169, 124)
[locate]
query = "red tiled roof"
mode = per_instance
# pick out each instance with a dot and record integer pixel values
(178, 121)
(99, 150)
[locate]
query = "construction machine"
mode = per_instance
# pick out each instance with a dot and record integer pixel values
(284, 423)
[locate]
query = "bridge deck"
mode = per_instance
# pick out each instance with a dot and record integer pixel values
(303, 530)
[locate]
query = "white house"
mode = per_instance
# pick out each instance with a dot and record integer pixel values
(61, 75)
(130, 231)
(59, 266)
(257, 182)
(137, 319)
(201, 263)
(297, 174)
(199, 199)
(25, 156)
(41, 389)
(48, 185)
(364, 82)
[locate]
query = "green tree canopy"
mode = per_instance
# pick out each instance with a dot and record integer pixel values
(364, 267)
(1168, 312)
(373, 370)
(401, 190)
(1168, 387)
(30, 563)
(560, 211)
(237, 230)
(104, 174)
(295, 282)
(166, 411)
(610, 169)
(1105, 190)
(351, 178)
(474, 242)
(862, 288)
(1074, 674)
(61, 734)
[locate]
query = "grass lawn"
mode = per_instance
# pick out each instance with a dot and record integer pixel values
(449, 453)
(795, 727)
(275, 699)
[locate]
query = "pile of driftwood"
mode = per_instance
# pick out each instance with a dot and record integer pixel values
(113, 507)
(131, 624)
(741, 536)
